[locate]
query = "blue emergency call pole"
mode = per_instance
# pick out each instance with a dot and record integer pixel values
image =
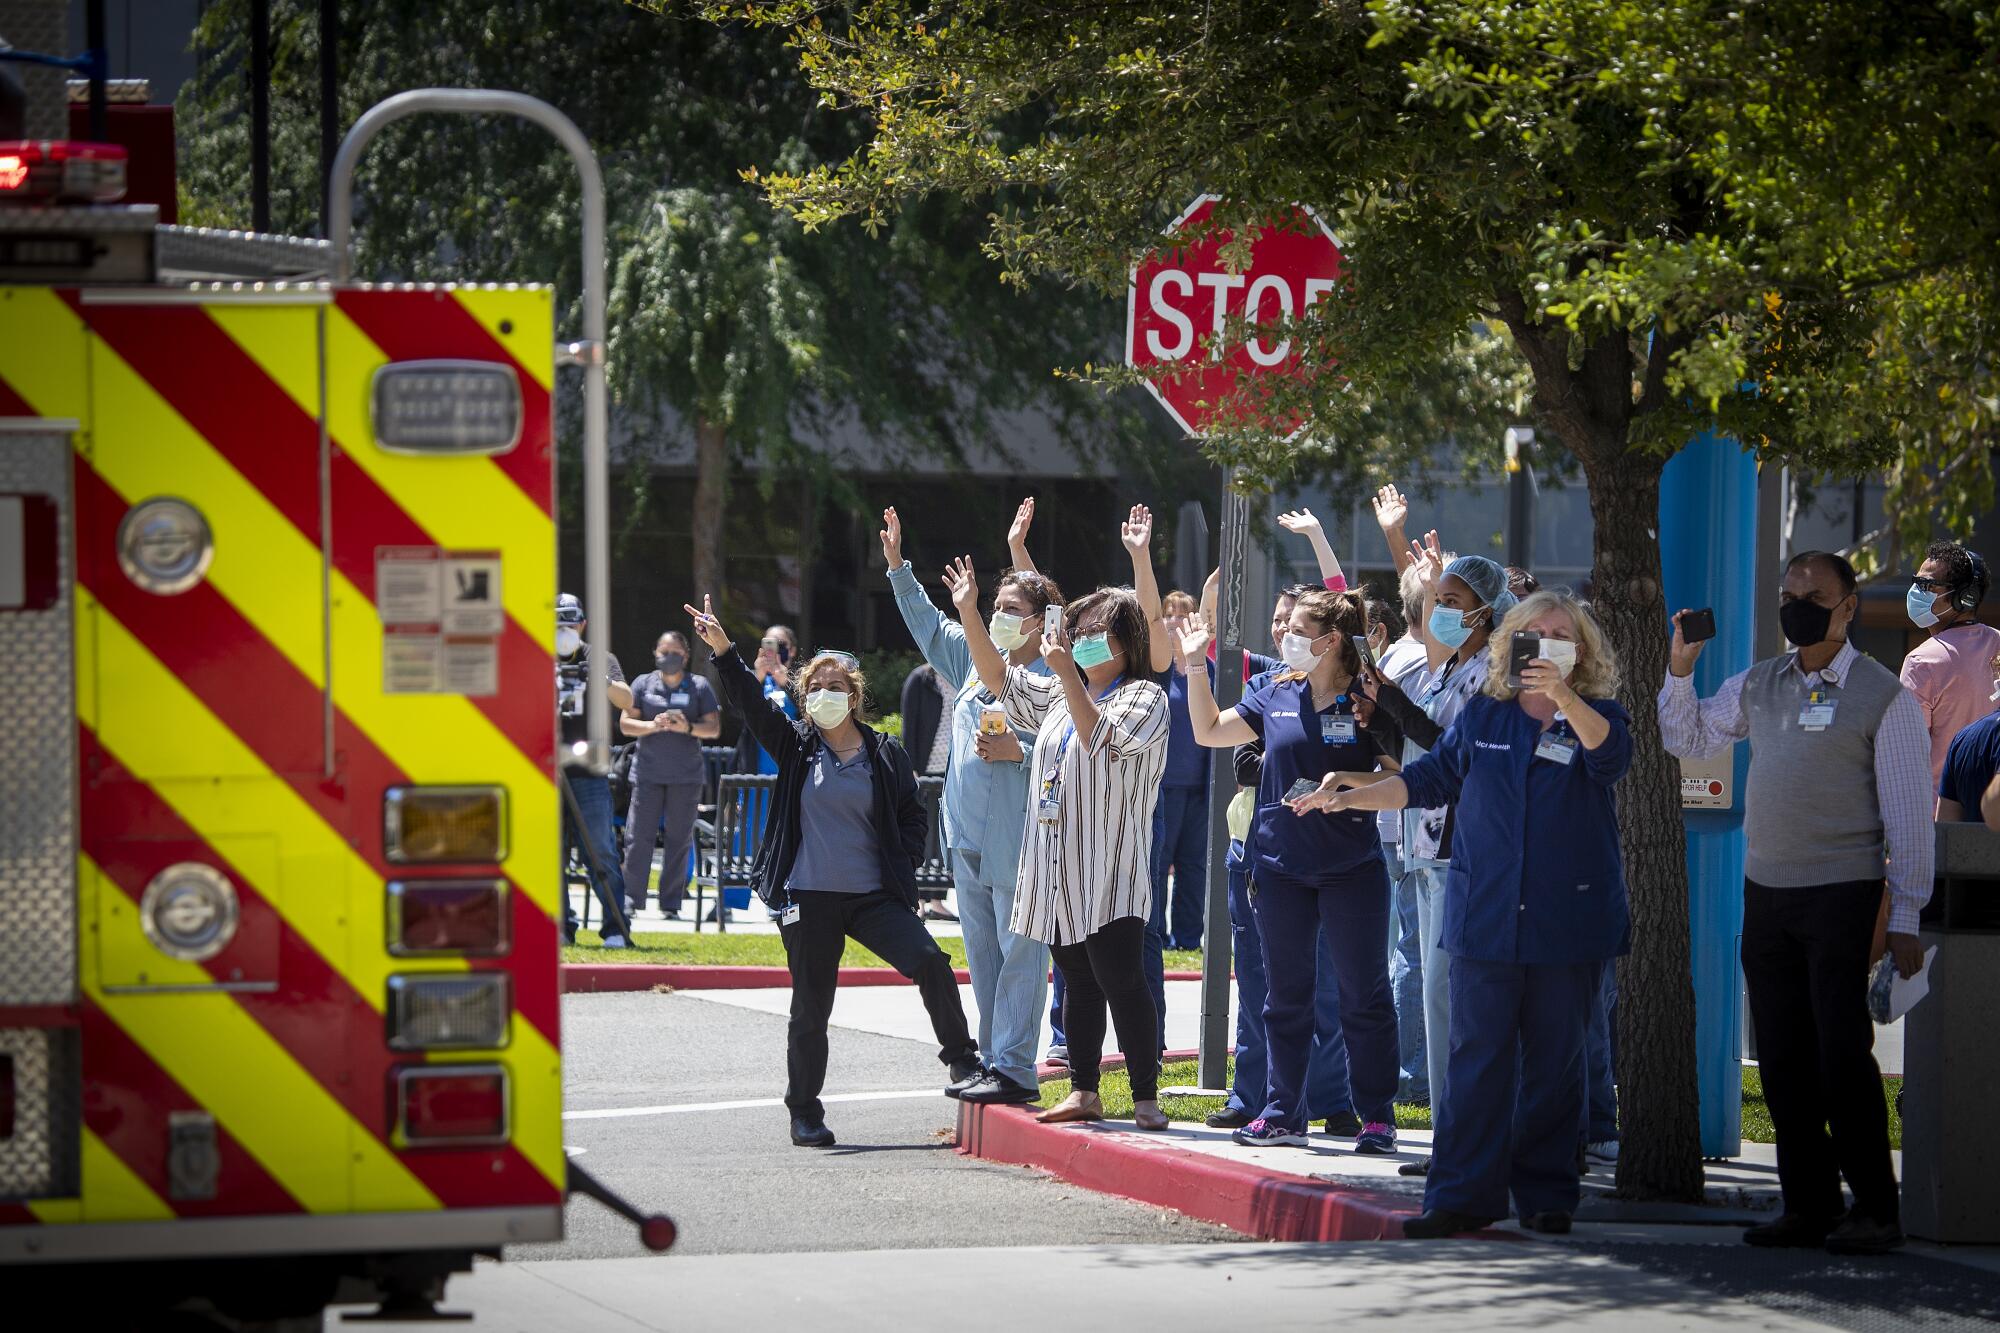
(1708, 548)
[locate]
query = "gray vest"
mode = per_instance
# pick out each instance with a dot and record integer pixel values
(1810, 813)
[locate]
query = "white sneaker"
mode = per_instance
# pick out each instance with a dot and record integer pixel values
(616, 942)
(1604, 1154)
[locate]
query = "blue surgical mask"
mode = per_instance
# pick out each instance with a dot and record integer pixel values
(1448, 626)
(1091, 650)
(1919, 604)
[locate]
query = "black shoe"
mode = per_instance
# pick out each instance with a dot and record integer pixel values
(1550, 1223)
(1864, 1235)
(996, 1089)
(633, 909)
(1441, 1222)
(672, 915)
(1791, 1232)
(1230, 1118)
(1422, 1168)
(963, 1077)
(1343, 1124)
(807, 1133)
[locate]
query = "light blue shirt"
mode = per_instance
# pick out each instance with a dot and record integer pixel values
(985, 805)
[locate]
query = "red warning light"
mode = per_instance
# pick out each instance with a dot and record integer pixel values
(1714, 788)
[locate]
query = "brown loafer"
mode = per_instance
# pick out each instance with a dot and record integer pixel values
(1078, 1106)
(1148, 1115)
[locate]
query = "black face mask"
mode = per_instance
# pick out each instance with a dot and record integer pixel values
(671, 663)
(1804, 623)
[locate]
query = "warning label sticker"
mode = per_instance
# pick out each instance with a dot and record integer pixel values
(442, 619)
(1706, 783)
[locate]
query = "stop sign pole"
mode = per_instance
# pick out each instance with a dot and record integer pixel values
(1178, 296)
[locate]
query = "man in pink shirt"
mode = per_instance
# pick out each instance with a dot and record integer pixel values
(1950, 673)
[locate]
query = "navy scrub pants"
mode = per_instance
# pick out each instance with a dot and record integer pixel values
(1514, 1088)
(1352, 908)
(1326, 1071)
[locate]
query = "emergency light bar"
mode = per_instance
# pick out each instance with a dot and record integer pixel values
(50, 171)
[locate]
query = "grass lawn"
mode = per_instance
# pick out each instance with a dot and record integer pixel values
(761, 950)
(1116, 1089)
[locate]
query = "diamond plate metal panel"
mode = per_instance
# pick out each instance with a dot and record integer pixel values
(39, 1159)
(38, 752)
(40, 25)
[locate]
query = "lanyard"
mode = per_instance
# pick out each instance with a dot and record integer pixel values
(1055, 770)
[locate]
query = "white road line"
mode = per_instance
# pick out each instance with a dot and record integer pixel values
(620, 1112)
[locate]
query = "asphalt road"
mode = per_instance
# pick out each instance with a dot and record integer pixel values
(735, 1184)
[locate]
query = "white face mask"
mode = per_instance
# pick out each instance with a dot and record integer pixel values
(1006, 631)
(567, 642)
(1296, 650)
(1562, 652)
(828, 707)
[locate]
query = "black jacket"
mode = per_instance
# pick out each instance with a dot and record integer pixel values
(900, 819)
(1418, 726)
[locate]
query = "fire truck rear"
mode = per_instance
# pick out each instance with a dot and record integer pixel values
(279, 779)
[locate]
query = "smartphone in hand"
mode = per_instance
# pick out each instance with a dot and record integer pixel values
(1303, 787)
(1365, 653)
(1698, 626)
(1052, 622)
(1523, 648)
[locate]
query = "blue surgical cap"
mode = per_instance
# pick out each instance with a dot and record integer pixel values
(1487, 580)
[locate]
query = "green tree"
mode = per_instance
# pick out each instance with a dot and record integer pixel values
(732, 326)
(1647, 209)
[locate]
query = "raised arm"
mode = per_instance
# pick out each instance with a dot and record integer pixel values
(766, 720)
(1213, 727)
(963, 585)
(1695, 728)
(1302, 523)
(1136, 534)
(1391, 511)
(1017, 536)
(938, 636)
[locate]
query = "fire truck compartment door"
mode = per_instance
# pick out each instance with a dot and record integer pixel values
(202, 495)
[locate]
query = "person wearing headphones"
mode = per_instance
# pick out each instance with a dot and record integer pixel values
(1948, 671)
(847, 832)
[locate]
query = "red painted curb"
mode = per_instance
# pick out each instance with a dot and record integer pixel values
(586, 977)
(1112, 1060)
(1148, 1167)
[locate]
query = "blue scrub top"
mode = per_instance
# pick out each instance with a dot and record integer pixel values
(774, 691)
(1969, 765)
(1536, 873)
(1295, 746)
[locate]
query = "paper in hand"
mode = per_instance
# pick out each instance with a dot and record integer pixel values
(1904, 994)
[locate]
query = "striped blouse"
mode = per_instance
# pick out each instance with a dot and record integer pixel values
(1093, 865)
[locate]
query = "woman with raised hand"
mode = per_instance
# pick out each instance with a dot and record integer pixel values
(838, 860)
(1084, 887)
(1534, 906)
(1322, 875)
(985, 808)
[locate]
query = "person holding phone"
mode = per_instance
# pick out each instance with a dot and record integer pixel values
(1837, 800)
(672, 713)
(1085, 887)
(986, 791)
(1323, 875)
(847, 832)
(773, 668)
(1535, 906)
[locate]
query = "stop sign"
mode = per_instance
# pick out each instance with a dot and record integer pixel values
(1183, 293)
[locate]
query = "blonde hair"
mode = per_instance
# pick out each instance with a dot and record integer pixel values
(1177, 603)
(1596, 673)
(857, 683)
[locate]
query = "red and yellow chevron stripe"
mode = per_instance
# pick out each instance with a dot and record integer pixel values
(202, 737)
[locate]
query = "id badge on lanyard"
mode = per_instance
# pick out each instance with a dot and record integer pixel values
(1556, 746)
(1336, 728)
(1816, 713)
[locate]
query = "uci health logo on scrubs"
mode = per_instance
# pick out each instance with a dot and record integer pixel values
(1492, 745)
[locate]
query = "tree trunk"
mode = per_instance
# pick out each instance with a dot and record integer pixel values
(1659, 1102)
(711, 496)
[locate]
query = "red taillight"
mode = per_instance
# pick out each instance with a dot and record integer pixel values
(448, 916)
(61, 171)
(452, 1104)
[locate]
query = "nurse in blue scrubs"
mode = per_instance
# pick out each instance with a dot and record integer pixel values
(1534, 906)
(1322, 873)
